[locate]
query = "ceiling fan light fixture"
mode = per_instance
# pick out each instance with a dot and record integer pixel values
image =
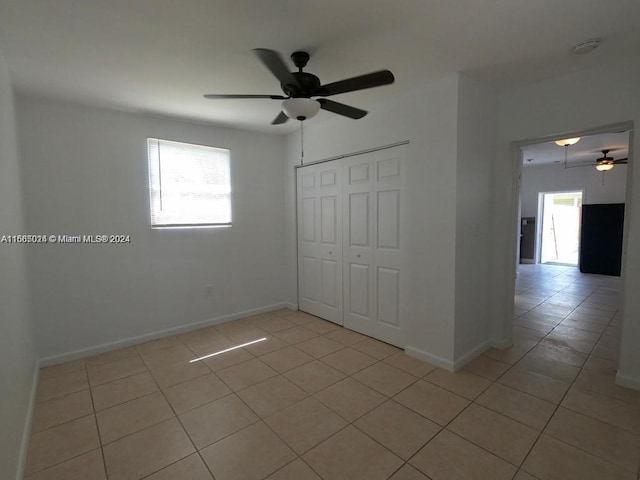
(604, 167)
(567, 141)
(300, 108)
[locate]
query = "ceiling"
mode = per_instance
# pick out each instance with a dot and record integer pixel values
(588, 149)
(160, 56)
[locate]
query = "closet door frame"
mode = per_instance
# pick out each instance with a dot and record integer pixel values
(369, 262)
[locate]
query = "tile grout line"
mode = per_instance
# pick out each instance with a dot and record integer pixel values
(377, 361)
(348, 423)
(179, 422)
(93, 414)
(259, 418)
(95, 417)
(559, 404)
(513, 366)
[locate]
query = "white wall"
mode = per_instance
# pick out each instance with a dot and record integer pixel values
(554, 178)
(17, 354)
(85, 172)
(562, 106)
(427, 117)
(476, 154)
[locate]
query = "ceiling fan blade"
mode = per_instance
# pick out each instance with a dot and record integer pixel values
(370, 80)
(621, 161)
(281, 118)
(341, 108)
(273, 61)
(213, 96)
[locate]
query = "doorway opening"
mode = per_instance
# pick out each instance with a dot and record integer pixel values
(533, 308)
(560, 227)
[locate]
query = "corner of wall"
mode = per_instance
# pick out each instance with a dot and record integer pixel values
(430, 358)
(461, 360)
(18, 358)
(28, 422)
(627, 381)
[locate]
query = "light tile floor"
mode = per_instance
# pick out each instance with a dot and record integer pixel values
(318, 401)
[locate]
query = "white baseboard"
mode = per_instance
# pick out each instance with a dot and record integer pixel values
(451, 366)
(460, 362)
(126, 342)
(430, 358)
(627, 381)
(26, 432)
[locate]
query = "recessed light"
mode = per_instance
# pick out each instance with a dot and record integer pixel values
(586, 47)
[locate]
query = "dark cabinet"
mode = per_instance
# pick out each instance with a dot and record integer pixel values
(601, 238)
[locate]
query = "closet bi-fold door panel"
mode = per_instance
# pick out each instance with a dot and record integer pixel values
(320, 241)
(359, 288)
(372, 234)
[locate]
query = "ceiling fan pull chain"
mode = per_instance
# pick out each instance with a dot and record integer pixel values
(301, 143)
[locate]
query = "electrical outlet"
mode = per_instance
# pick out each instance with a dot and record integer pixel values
(209, 290)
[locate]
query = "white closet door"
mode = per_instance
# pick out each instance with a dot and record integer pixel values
(320, 241)
(350, 234)
(373, 244)
(359, 291)
(389, 235)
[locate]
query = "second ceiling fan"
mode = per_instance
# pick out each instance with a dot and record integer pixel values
(299, 88)
(604, 163)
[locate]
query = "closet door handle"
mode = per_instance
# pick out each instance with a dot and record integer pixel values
(358, 255)
(330, 252)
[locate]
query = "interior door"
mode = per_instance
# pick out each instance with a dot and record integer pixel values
(372, 223)
(358, 219)
(350, 235)
(320, 241)
(388, 246)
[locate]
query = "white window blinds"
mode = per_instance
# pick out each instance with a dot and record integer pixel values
(189, 185)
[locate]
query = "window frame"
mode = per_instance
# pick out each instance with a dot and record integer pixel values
(154, 168)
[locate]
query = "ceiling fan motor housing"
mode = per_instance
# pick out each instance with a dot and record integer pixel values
(300, 59)
(308, 84)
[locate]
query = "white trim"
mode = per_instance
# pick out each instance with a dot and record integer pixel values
(460, 362)
(353, 154)
(627, 381)
(105, 347)
(430, 358)
(26, 432)
(289, 305)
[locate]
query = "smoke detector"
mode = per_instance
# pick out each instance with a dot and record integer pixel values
(585, 47)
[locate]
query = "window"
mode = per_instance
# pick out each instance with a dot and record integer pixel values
(189, 185)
